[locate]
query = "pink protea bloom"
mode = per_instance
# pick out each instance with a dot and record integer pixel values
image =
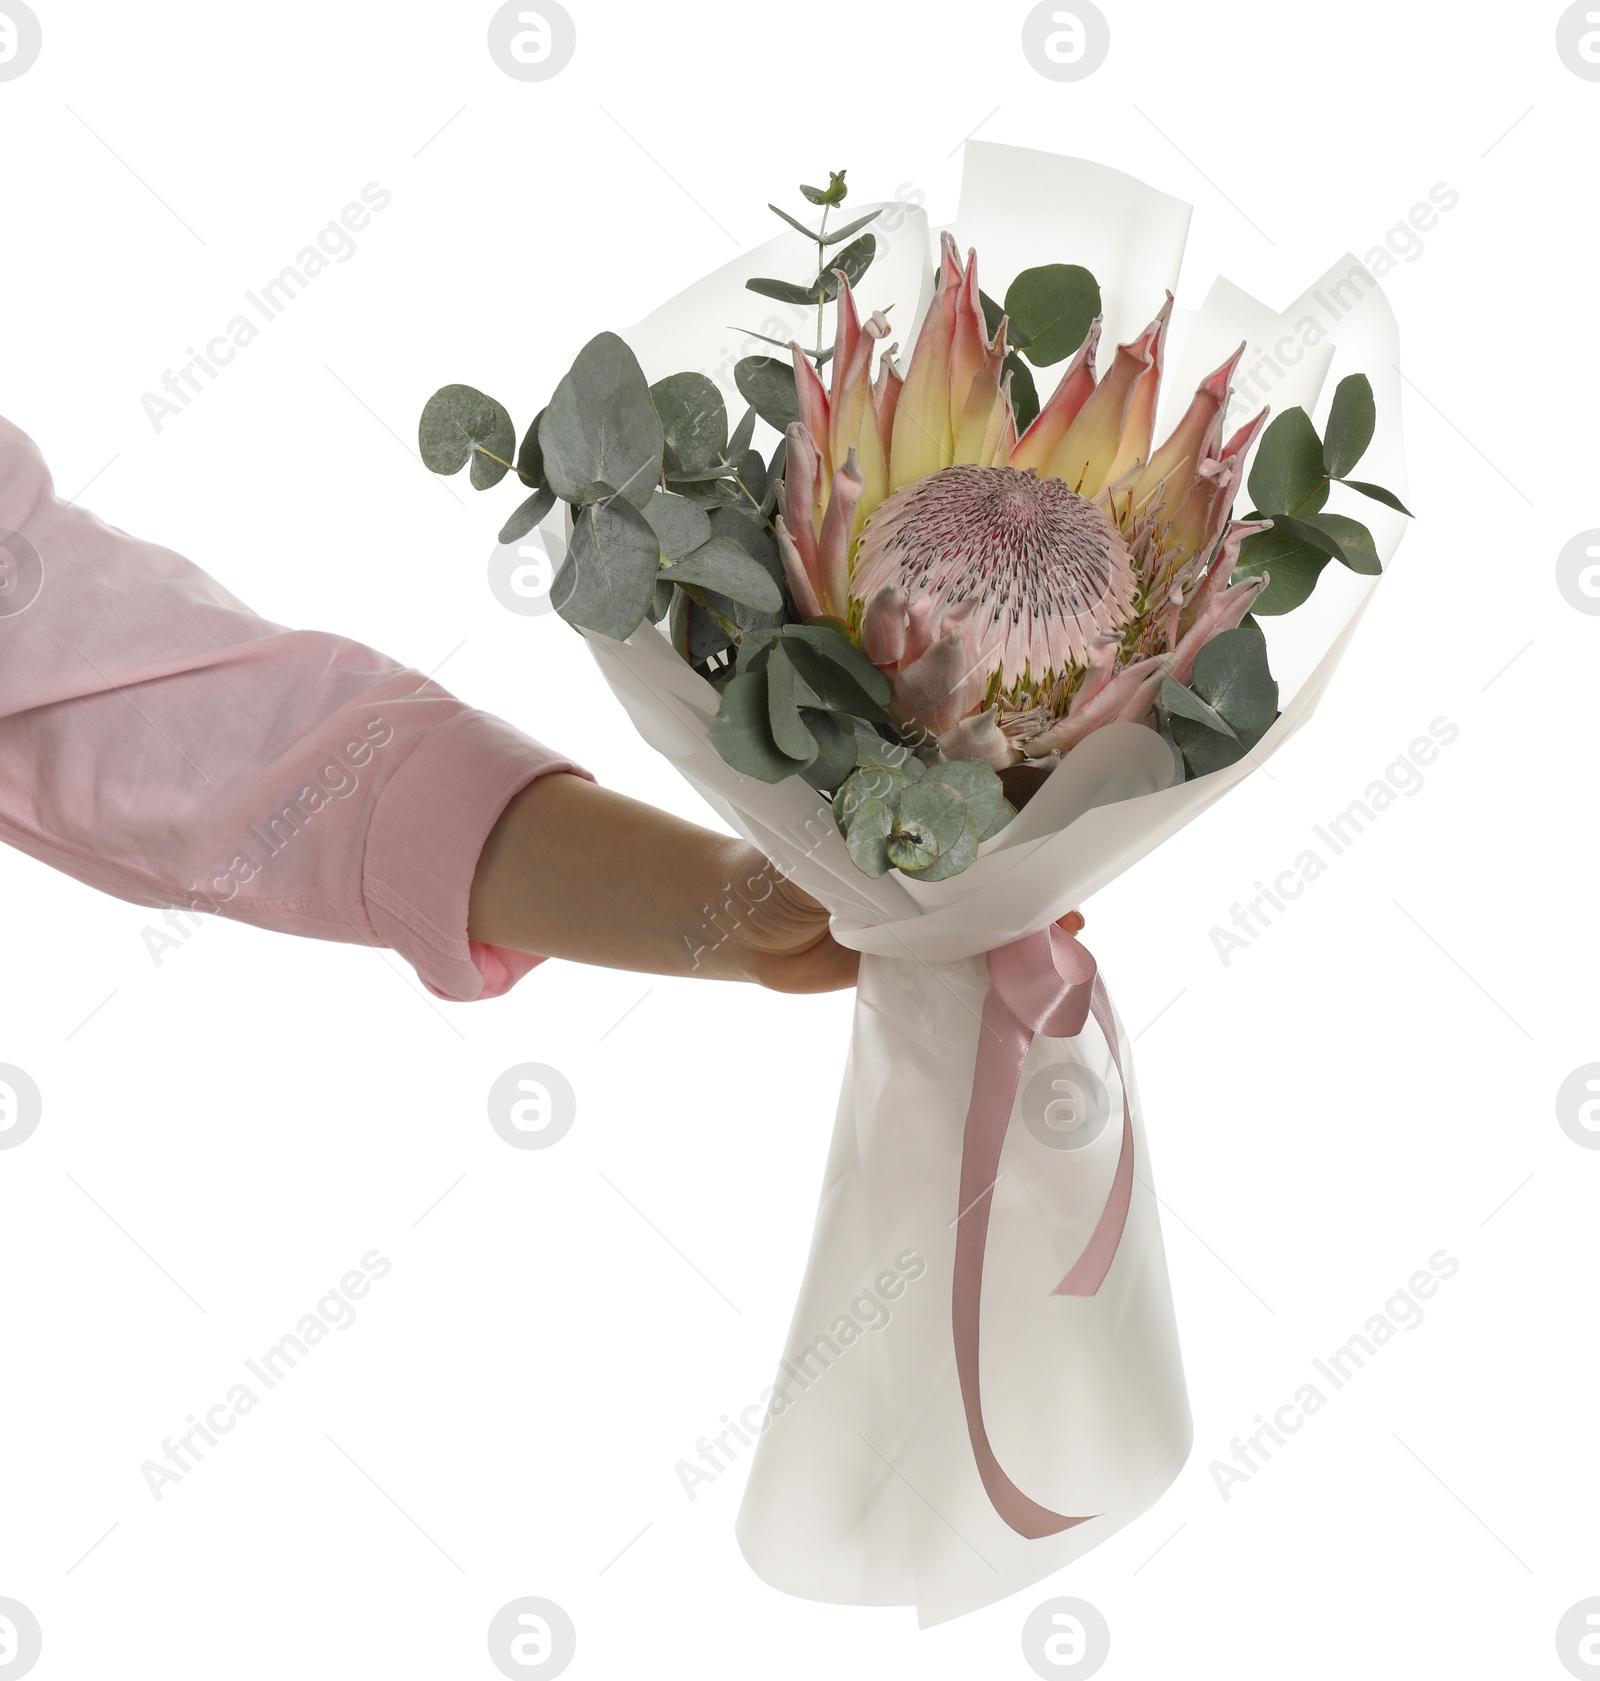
(1017, 590)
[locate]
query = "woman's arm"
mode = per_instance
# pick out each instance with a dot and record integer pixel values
(165, 744)
(574, 870)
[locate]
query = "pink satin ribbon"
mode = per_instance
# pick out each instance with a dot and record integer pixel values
(1045, 983)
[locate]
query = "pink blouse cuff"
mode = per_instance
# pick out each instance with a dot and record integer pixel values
(426, 833)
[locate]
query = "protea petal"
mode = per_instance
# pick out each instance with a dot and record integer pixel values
(922, 429)
(801, 587)
(1035, 447)
(846, 338)
(802, 490)
(980, 737)
(1219, 575)
(852, 378)
(941, 686)
(886, 397)
(969, 346)
(978, 430)
(1139, 425)
(1223, 611)
(883, 627)
(1091, 444)
(813, 401)
(1175, 461)
(833, 541)
(1129, 694)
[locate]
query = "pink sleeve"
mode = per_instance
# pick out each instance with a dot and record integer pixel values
(161, 742)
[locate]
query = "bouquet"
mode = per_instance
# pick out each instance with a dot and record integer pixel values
(955, 649)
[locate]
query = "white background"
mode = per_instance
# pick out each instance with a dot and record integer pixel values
(231, 1130)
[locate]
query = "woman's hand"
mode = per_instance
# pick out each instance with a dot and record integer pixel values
(785, 944)
(574, 870)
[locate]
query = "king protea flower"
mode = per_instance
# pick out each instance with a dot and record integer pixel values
(1018, 591)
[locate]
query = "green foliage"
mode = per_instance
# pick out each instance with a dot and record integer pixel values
(1290, 479)
(602, 426)
(812, 683)
(767, 385)
(1051, 309)
(1229, 703)
(694, 422)
(924, 820)
(459, 422)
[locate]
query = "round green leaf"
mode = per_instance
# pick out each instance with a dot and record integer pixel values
(976, 781)
(678, 524)
(1232, 676)
(1294, 567)
(866, 839)
(953, 860)
(1054, 306)
(767, 385)
(694, 422)
(1287, 475)
(459, 422)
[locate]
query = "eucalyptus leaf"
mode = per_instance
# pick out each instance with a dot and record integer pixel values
(739, 442)
(1024, 393)
(694, 422)
(722, 565)
(850, 228)
(1183, 702)
(1294, 567)
(602, 424)
(1378, 494)
(869, 782)
(679, 525)
(1287, 475)
(1053, 306)
(608, 579)
(1003, 815)
(742, 732)
(836, 687)
(933, 808)
(1351, 422)
(953, 859)
(793, 221)
(459, 422)
(866, 839)
(527, 516)
(767, 385)
(1339, 537)
(836, 750)
(853, 262)
(1232, 675)
(785, 291)
(785, 691)
(530, 458)
(977, 782)
(844, 653)
(769, 496)
(911, 847)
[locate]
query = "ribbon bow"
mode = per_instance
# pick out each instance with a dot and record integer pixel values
(1044, 983)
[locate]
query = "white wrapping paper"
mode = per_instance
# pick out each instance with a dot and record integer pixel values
(863, 1489)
